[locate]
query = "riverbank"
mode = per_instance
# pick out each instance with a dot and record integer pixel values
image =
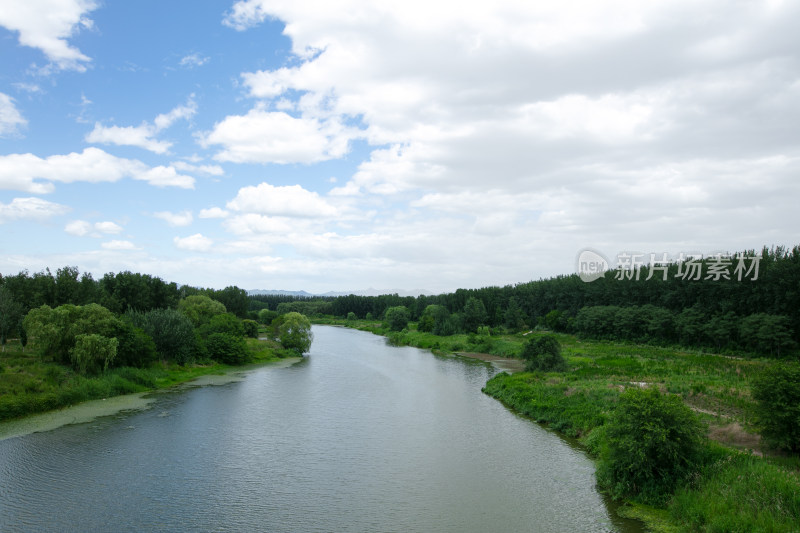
(744, 487)
(30, 386)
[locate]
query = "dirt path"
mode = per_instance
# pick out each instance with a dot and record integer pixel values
(508, 364)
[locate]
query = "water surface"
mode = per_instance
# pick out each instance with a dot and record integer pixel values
(358, 436)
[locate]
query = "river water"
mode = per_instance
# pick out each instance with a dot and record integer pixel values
(358, 436)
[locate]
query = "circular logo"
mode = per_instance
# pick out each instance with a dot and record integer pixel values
(590, 265)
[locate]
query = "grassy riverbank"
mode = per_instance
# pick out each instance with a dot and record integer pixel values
(29, 385)
(741, 486)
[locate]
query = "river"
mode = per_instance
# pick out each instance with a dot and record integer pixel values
(358, 436)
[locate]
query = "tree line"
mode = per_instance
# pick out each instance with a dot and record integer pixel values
(757, 313)
(131, 319)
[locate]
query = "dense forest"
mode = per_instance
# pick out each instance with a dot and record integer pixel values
(743, 302)
(746, 302)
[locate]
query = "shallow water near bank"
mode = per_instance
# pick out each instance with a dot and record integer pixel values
(358, 436)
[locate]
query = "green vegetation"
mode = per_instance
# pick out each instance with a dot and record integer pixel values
(397, 318)
(777, 393)
(124, 333)
(543, 354)
(295, 333)
(652, 442)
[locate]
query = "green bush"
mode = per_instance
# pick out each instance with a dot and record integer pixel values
(227, 348)
(92, 353)
(397, 318)
(543, 354)
(250, 328)
(777, 393)
(653, 442)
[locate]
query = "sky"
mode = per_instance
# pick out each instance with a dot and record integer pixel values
(338, 145)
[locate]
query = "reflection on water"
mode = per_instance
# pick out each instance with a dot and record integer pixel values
(358, 436)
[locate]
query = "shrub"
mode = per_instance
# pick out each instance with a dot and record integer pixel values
(397, 318)
(777, 393)
(92, 353)
(543, 354)
(227, 348)
(250, 328)
(652, 443)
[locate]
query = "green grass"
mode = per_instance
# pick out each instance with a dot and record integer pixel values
(29, 385)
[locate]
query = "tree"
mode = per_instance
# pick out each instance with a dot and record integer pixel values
(200, 309)
(250, 328)
(55, 330)
(10, 312)
(777, 393)
(652, 443)
(295, 332)
(397, 318)
(265, 316)
(543, 354)
(513, 319)
(171, 331)
(762, 332)
(234, 299)
(92, 353)
(474, 314)
(227, 348)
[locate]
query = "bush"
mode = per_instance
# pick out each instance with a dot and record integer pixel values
(543, 354)
(250, 328)
(777, 393)
(92, 353)
(397, 318)
(227, 348)
(653, 442)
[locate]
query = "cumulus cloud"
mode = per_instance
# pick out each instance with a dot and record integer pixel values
(47, 25)
(143, 135)
(80, 228)
(183, 218)
(10, 118)
(30, 209)
(289, 201)
(213, 212)
(277, 137)
(33, 174)
(194, 243)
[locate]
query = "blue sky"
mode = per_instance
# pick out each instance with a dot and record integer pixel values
(395, 145)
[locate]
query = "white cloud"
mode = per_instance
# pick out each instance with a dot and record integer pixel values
(209, 170)
(290, 201)
(81, 228)
(143, 135)
(47, 25)
(30, 173)
(194, 243)
(118, 245)
(213, 212)
(276, 137)
(30, 209)
(193, 60)
(10, 118)
(181, 219)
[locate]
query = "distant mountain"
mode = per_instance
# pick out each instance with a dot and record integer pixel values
(259, 292)
(331, 294)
